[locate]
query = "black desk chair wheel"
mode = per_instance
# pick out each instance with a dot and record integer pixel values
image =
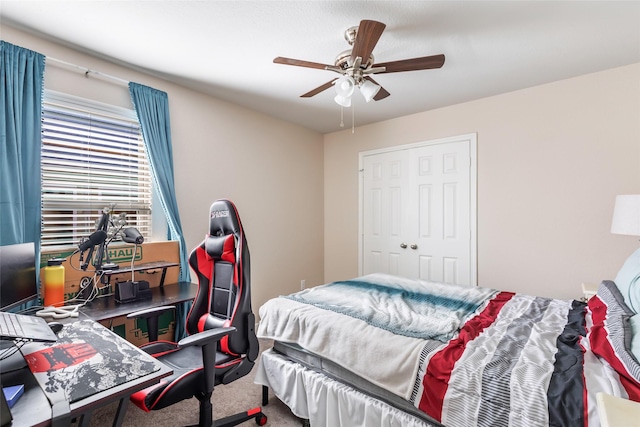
(222, 345)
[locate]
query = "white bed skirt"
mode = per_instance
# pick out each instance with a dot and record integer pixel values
(323, 401)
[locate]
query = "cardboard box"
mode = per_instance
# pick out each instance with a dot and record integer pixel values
(121, 254)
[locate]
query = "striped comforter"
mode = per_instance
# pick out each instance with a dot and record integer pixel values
(516, 360)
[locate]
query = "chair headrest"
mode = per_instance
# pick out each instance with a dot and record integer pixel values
(223, 219)
(221, 247)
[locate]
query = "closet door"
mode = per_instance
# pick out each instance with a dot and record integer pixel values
(417, 213)
(439, 207)
(386, 193)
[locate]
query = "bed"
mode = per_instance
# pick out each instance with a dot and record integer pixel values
(381, 350)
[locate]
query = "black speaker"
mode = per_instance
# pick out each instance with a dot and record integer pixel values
(132, 291)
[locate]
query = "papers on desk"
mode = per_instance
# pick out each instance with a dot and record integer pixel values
(87, 358)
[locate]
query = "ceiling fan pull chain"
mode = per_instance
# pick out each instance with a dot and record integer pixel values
(353, 118)
(341, 116)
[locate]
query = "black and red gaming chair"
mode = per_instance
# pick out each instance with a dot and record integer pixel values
(220, 322)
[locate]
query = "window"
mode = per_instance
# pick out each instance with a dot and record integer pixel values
(93, 157)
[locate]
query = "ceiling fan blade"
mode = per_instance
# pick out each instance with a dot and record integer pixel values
(319, 89)
(422, 63)
(382, 93)
(367, 37)
(300, 63)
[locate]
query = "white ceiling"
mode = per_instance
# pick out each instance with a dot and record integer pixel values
(226, 48)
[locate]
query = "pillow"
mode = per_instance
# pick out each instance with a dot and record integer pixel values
(628, 281)
(634, 321)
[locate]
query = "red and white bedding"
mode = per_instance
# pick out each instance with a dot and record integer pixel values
(513, 360)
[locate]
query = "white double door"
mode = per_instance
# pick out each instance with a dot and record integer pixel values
(418, 211)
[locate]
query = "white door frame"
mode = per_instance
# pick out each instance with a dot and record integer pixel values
(472, 139)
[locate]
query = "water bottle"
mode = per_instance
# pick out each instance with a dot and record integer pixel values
(53, 283)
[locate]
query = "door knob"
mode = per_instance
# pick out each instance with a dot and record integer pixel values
(403, 245)
(414, 246)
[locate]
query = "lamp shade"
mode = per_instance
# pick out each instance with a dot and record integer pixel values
(343, 101)
(626, 215)
(369, 89)
(345, 86)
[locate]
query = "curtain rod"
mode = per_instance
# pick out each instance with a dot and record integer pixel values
(86, 71)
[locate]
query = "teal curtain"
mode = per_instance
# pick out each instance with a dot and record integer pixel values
(21, 86)
(152, 107)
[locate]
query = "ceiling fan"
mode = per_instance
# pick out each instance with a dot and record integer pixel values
(357, 64)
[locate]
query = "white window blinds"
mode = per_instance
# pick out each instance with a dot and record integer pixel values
(93, 157)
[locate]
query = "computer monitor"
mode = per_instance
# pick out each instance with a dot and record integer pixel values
(17, 275)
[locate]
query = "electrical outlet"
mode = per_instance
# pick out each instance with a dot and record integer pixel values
(303, 284)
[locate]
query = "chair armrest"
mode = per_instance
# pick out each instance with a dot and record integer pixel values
(152, 316)
(206, 337)
(208, 342)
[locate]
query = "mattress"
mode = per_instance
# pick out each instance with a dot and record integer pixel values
(332, 370)
(325, 400)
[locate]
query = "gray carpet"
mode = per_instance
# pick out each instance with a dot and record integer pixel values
(236, 397)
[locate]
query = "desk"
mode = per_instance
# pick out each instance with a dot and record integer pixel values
(34, 409)
(107, 308)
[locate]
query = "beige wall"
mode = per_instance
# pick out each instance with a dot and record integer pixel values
(224, 151)
(551, 160)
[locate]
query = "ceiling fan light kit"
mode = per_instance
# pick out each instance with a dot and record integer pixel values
(345, 86)
(357, 64)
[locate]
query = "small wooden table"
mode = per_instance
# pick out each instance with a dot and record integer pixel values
(156, 265)
(616, 411)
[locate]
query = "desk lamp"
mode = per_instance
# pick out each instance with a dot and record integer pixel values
(132, 290)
